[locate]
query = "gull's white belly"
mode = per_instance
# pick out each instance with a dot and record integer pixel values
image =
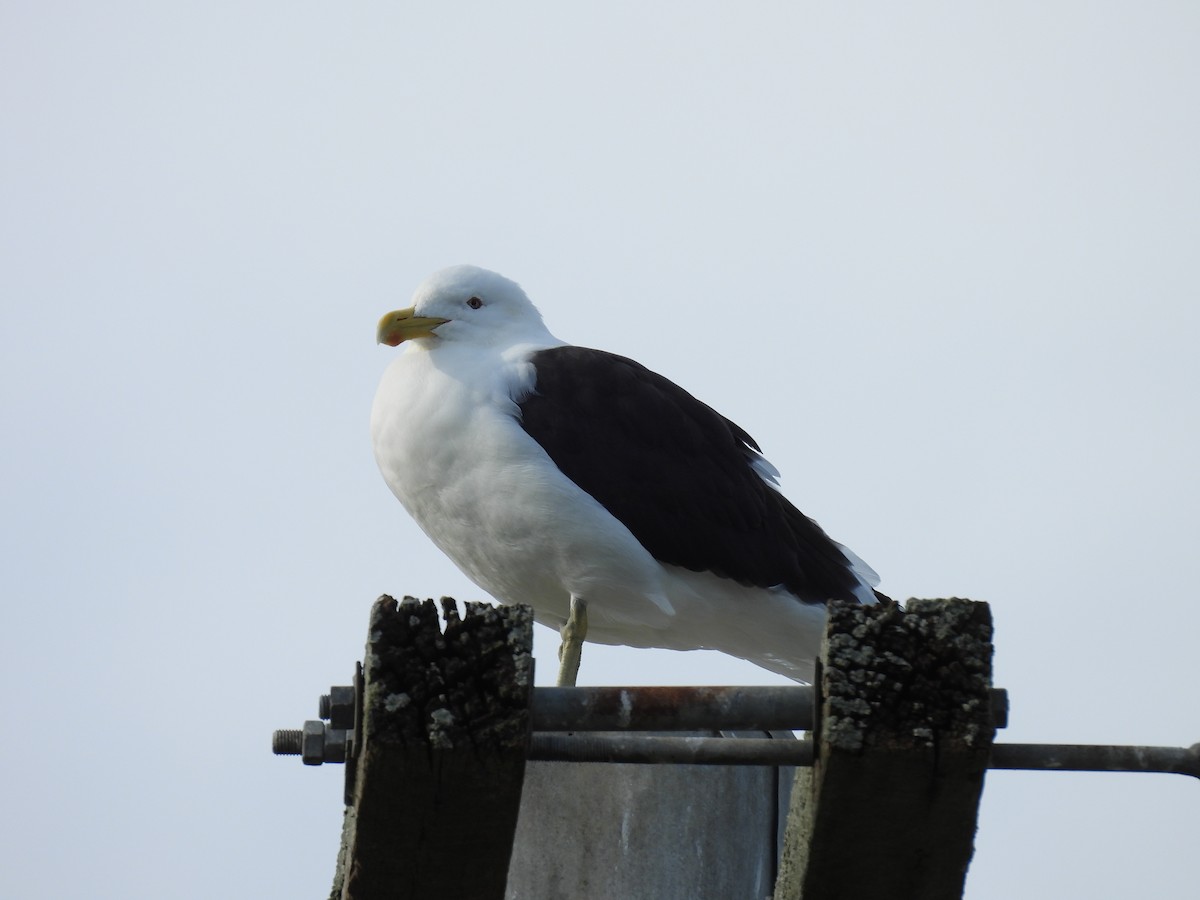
(494, 502)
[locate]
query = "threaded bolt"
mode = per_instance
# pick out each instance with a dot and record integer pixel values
(287, 742)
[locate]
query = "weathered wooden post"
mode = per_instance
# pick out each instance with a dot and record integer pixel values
(440, 753)
(904, 732)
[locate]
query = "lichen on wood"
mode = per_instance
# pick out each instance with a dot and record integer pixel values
(903, 734)
(441, 754)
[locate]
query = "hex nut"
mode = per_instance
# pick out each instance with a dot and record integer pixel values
(312, 747)
(342, 702)
(337, 745)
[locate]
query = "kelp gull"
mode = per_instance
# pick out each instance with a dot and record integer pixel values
(609, 499)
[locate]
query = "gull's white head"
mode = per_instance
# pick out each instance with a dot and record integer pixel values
(464, 303)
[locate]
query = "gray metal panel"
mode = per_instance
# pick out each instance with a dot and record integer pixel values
(646, 832)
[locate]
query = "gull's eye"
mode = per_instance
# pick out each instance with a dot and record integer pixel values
(474, 303)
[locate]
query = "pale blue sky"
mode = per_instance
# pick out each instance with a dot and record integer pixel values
(938, 258)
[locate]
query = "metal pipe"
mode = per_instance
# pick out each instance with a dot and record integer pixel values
(672, 708)
(775, 708)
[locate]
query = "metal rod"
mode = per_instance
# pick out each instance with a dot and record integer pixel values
(1097, 758)
(623, 748)
(713, 751)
